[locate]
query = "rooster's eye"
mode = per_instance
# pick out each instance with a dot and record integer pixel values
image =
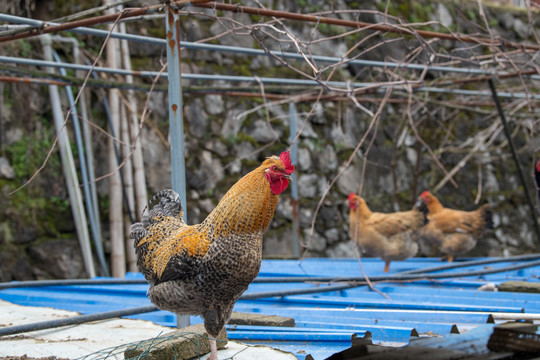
(274, 168)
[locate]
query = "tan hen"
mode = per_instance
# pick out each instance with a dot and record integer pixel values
(390, 236)
(454, 232)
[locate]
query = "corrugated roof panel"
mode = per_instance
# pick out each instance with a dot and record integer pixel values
(305, 349)
(354, 320)
(292, 333)
(260, 306)
(385, 330)
(420, 304)
(326, 321)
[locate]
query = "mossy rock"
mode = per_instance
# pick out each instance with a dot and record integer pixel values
(519, 286)
(184, 344)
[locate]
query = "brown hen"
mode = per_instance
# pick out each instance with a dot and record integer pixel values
(454, 232)
(390, 236)
(203, 269)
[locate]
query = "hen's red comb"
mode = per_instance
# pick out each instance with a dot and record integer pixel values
(285, 158)
(538, 166)
(351, 196)
(424, 194)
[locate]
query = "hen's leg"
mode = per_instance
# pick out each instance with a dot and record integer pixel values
(450, 258)
(213, 349)
(387, 266)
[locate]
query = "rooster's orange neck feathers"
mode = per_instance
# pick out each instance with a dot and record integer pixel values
(249, 205)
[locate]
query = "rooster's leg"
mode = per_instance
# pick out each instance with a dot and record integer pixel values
(450, 258)
(387, 266)
(213, 349)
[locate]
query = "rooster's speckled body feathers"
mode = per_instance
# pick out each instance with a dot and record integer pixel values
(203, 269)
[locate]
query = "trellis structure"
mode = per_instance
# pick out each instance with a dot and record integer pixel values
(353, 90)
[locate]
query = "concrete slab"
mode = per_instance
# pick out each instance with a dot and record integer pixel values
(241, 318)
(106, 337)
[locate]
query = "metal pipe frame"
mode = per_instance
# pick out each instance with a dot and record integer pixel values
(293, 120)
(176, 127)
(86, 181)
(264, 80)
(259, 52)
(68, 164)
(89, 149)
(391, 28)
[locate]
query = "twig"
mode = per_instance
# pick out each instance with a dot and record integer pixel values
(342, 170)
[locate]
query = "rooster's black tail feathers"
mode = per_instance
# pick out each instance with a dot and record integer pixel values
(165, 203)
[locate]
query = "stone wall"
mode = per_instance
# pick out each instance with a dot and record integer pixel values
(228, 136)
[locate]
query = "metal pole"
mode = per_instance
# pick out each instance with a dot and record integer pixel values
(293, 114)
(84, 174)
(178, 172)
(68, 164)
(139, 175)
(87, 137)
(75, 320)
(116, 152)
(514, 156)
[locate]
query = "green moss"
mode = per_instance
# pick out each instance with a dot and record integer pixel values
(471, 15)
(242, 69)
(329, 29)
(157, 30)
(318, 144)
(27, 154)
(26, 48)
(141, 63)
(241, 137)
(33, 204)
(493, 22)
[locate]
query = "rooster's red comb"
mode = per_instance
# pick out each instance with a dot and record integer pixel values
(285, 158)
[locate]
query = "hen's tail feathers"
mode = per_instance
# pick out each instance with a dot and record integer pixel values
(487, 215)
(164, 203)
(421, 206)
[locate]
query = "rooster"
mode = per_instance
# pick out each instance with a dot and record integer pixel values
(390, 236)
(203, 269)
(454, 232)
